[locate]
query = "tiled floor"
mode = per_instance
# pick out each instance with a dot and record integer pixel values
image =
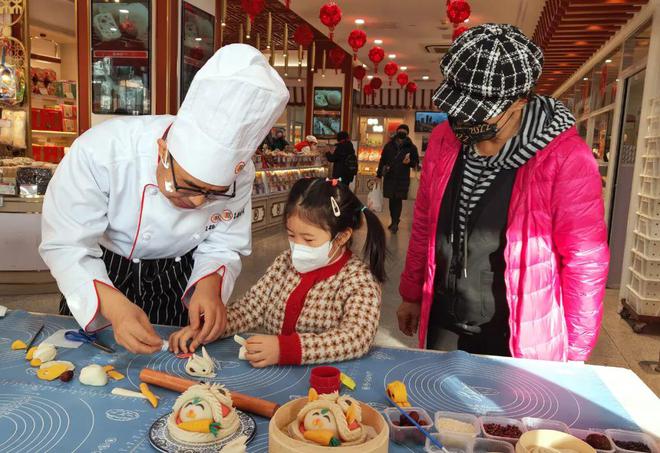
(617, 344)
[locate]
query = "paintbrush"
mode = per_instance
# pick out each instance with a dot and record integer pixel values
(34, 337)
(428, 435)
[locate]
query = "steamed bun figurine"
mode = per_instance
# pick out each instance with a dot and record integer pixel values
(201, 366)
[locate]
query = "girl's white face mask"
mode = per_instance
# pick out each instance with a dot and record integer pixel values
(306, 259)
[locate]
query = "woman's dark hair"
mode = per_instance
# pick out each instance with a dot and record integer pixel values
(343, 135)
(310, 198)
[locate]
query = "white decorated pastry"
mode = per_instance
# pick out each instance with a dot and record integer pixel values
(204, 413)
(330, 421)
(237, 445)
(201, 366)
(243, 351)
(45, 352)
(93, 375)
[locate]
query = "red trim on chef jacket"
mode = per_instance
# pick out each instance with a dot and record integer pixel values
(137, 233)
(290, 348)
(222, 279)
(98, 307)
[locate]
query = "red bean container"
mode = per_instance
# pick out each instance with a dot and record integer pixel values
(325, 379)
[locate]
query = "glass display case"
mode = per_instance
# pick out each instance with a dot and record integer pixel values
(197, 41)
(121, 57)
(374, 134)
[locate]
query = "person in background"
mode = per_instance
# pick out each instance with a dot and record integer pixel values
(317, 302)
(398, 157)
(279, 142)
(508, 253)
(344, 159)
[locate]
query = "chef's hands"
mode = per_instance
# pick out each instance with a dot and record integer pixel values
(409, 315)
(207, 313)
(263, 350)
(179, 340)
(130, 323)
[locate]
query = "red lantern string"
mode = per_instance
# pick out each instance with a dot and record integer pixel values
(337, 57)
(391, 69)
(330, 16)
(359, 73)
(253, 7)
(376, 55)
(458, 11)
(357, 39)
(376, 83)
(458, 31)
(402, 79)
(303, 35)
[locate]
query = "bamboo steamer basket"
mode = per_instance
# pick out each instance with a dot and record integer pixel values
(280, 442)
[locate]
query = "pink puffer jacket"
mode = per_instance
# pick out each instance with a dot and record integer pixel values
(556, 254)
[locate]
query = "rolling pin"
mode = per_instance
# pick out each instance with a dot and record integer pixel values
(243, 402)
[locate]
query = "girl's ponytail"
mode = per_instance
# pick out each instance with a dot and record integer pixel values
(375, 246)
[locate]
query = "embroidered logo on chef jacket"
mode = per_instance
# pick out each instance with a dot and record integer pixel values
(239, 168)
(215, 218)
(227, 215)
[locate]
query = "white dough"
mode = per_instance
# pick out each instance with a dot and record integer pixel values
(203, 366)
(130, 393)
(93, 375)
(243, 351)
(236, 446)
(45, 352)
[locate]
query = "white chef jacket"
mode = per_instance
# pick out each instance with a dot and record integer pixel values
(105, 193)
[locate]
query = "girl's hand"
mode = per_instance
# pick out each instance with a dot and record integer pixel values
(409, 314)
(206, 302)
(263, 350)
(179, 340)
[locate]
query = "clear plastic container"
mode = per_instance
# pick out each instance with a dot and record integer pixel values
(619, 435)
(461, 417)
(504, 421)
(490, 445)
(407, 434)
(532, 423)
(453, 443)
(582, 434)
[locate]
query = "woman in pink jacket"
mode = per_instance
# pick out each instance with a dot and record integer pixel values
(508, 254)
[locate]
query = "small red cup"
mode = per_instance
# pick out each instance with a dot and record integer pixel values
(325, 379)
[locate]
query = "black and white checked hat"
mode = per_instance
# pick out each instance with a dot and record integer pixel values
(487, 69)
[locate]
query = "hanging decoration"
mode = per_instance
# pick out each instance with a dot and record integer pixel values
(359, 73)
(376, 55)
(376, 83)
(402, 79)
(458, 31)
(248, 27)
(285, 49)
(303, 35)
(337, 57)
(253, 7)
(458, 11)
(330, 16)
(312, 68)
(391, 69)
(269, 31)
(357, 39)
(324, 61)
(368, 89)
(411, 88)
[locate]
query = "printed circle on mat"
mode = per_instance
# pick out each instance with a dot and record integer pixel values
(121, 415)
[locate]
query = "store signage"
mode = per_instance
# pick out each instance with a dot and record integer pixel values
(141, 54)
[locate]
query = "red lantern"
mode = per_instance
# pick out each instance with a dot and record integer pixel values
(359, 73)
(357, 39)
(391, 69)
(368, 89)
(337, 57)
(303, 35)
(402, 79)
(458, 31)
(253, 7)
(376, 83)
(376, 55)
(411, 88)
(330, 16)
(458, 11)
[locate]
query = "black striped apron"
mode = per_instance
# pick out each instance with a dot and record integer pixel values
(156, 286)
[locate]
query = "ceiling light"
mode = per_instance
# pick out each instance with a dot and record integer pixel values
(124, 11)
(378, 41)
(359, 21)
(616, 80)
(198, 39)
(113, 28)
(466, 20)
(364, 66)
(608, 61)
(404, 68)
(586, 78)
(425, 77)
(392, 56)
(370, 77)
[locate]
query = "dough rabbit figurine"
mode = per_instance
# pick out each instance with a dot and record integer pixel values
(201, 366)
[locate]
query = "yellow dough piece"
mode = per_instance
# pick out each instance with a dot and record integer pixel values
(35, 362)
(322, 437)
(52, 372)
(144, 388)
(18, 344)
(108, 368)
(115, 375)
(398, 393)
(197, 426)
(30, 353)
(351, 414)
(312, 395)
(347, 381)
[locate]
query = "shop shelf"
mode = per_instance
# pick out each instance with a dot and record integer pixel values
(648, 226)
(48, 98)
(647, 246)
(651, 166)
(649, 268)
(645, 287)
(650, 186)
(54, 133)
(649, 206)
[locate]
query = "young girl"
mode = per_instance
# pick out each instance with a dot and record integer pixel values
(317, 302)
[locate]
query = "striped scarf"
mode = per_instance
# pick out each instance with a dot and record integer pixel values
(543, 120)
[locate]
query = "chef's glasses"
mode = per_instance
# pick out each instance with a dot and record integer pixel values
(194, 191)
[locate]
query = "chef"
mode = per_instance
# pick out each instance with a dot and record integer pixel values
(146, 217)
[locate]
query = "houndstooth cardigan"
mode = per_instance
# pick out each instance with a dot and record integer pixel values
(335, 320)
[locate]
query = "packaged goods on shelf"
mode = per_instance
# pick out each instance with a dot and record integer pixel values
(12, 128)
(47, 119)
(43, 81)
(33, 181)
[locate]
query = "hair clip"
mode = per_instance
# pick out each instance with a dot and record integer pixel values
(363, 208)
(333, 182)
(335, 207)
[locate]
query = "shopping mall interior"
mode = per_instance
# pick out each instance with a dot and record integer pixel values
(365, 67)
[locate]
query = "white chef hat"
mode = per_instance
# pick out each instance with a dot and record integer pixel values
(233, 101)
(311, 139)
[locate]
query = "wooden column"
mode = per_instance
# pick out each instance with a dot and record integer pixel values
(84, 65)
(347, 115)
(309, 98)
(165, 77)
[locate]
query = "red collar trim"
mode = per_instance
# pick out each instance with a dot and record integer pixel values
(329, 270)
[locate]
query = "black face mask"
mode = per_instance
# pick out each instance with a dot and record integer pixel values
(401, 135)
(471, 133)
